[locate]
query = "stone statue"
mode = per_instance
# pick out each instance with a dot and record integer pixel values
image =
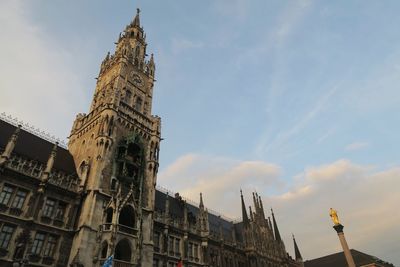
(334, 216)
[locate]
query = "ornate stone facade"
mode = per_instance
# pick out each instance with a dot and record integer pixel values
(78, 206)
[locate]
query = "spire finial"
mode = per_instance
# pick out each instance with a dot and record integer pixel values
(136, 20)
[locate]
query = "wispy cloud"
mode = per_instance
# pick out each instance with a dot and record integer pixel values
(284, 136)
(326, 135)
(356, 146)
(179, 45)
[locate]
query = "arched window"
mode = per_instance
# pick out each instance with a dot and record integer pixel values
(104, 250)
(127, 217)
(109, 215)
(123, 251)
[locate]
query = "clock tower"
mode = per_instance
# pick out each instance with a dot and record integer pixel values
(115, 148)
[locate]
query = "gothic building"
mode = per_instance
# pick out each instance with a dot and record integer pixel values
(78, 206)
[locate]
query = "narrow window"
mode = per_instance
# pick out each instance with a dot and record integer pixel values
(6, 194)
(138, 104)
(128, 96)
(5, 236)
(19, 199)
(190, 251)
(104, 250)
(60, 211)
(171, 245)
(50, 246)
(113, 184)
(137, 51)
(156, 240)
(196, 251)
(37, 243)
(177, 247)
(49, 208)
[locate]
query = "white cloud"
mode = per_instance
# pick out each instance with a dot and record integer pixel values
(366, 199)
(356, 146)
(219, 179)
(38, 81)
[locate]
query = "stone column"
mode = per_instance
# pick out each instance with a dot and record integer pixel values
(346, 250)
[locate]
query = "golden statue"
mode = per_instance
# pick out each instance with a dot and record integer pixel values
(334, 216)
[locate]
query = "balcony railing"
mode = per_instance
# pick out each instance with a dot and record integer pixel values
(120, 228)
(126, 229)
(119, 263)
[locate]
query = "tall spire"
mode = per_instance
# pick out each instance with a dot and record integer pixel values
(244, 212)
(297, 251)
(276, 231)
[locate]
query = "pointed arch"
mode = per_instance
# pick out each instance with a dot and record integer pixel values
(123, 251)
(109, 215)
(104, 250)
(127, 216)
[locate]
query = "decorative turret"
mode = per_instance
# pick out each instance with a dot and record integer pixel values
(50, 163)
(10, 146)
(202, 217)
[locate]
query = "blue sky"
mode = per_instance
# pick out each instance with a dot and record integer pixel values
(282, 97)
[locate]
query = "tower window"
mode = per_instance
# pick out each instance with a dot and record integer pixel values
(137, 51)
(138, 104)
(113, 184)
(128, 96)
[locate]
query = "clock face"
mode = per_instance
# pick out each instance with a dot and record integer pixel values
(136, 79)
